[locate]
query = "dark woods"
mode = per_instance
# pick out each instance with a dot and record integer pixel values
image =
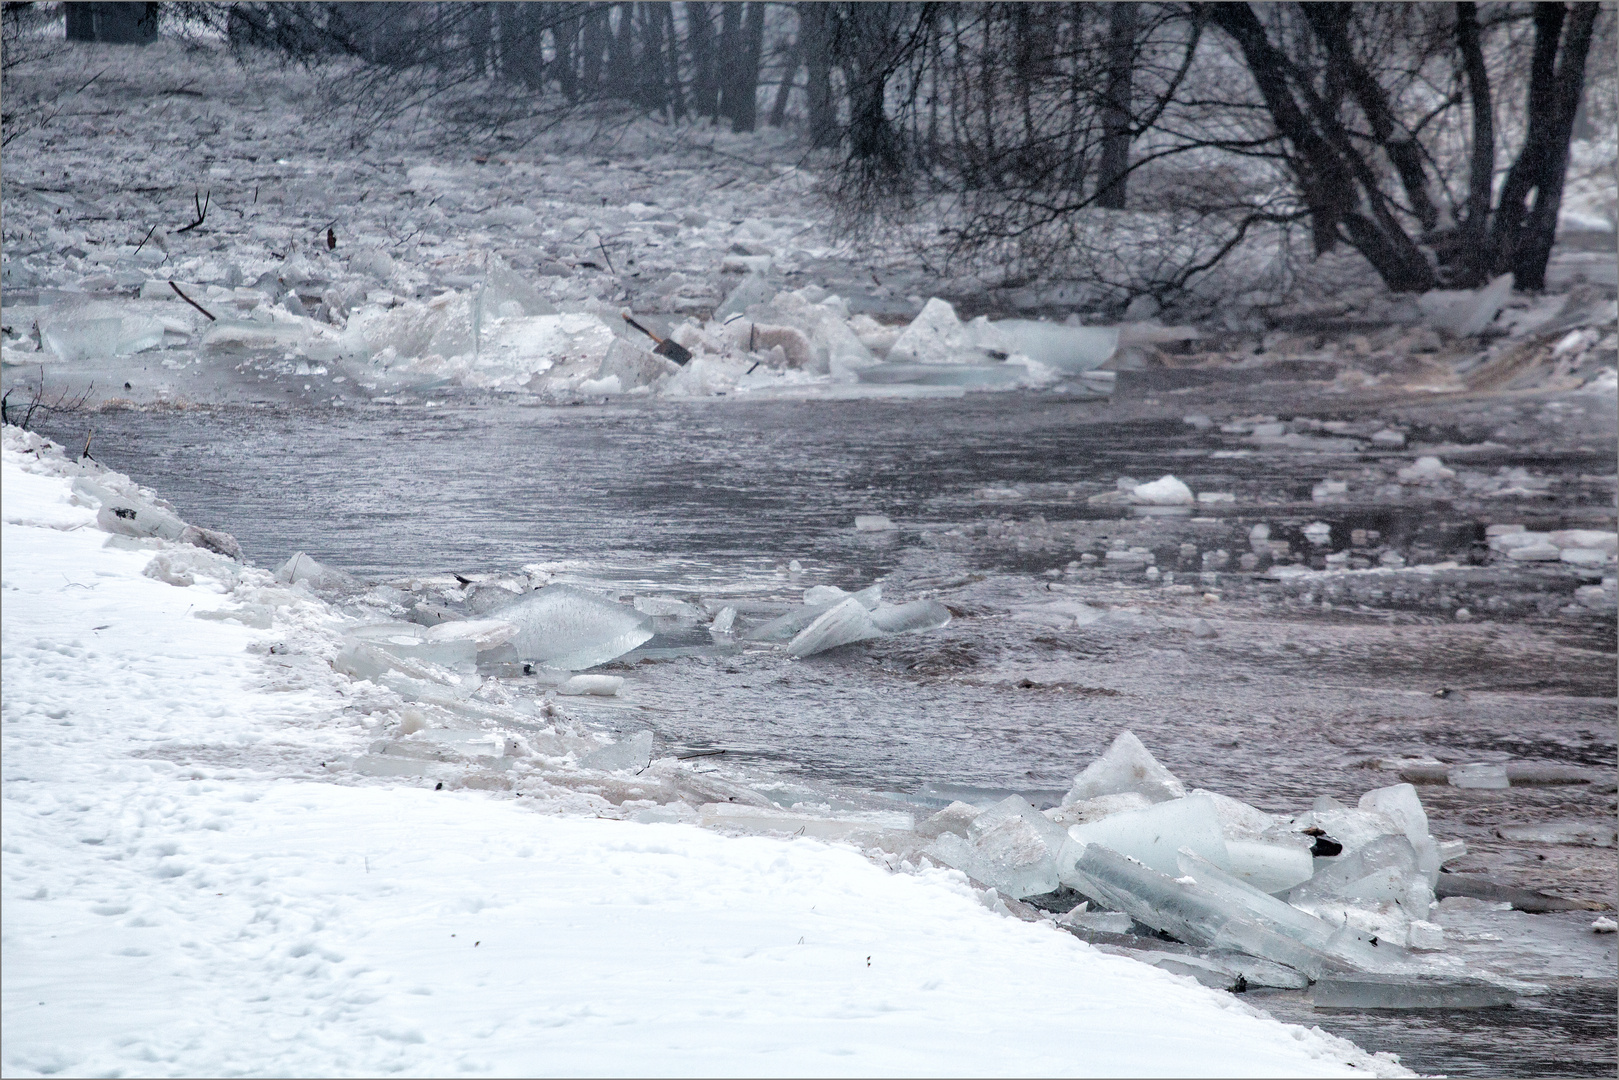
(1433, 139)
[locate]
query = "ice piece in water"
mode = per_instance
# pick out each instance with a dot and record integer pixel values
(1070, 349)
(595, 685)
(1126, 766)
(1384, 871)
(724, 620)
(1479, 776)
(785, 627)
(301, 567)
(1153, 836)
(1189, 912)
(1102, 806)
(1165, 491)
(753, 289)
(1350, 829)
(935, 336)
(1269, 867)
(1279, 915)
(633, 366)
(411, 641)
(1400, 802)
(483, 633)
(1373, 991)
(250, 333)
(842, 624)
(74, 338)
(1011, 846)
(954, 818)
(917, 615)
(873, 523)
(632, 752)
(564, 627)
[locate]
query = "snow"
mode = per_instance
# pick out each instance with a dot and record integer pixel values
(195, 884)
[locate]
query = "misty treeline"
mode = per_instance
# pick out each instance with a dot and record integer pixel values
(1062, 139)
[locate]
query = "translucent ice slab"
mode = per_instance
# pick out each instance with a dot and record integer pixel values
(842, 624)
(1069, 349)
(563, 627)
(817, 601)
(1153, 836)
(1126, 766)
(917, 615)
(1269, 867)
(631, 752)
(1011, 846)
(1386, 871)
(73, 337)
(1369, 991)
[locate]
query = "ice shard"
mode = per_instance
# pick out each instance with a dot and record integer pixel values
(1011, 846)
(631, 752)
(917, 615)
(1126, 766)
(842, 624)
(564, 627)
(1153, 836)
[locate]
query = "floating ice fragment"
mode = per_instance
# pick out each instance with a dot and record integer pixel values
(1165, 491)
(1069, 349)
(73, 337)
(1479, 776)
(954, 818)
(301, 568)
(594, 685)
(564, 627)
(1400, 803)
(1386, 871)
(1373, 991)
(1426, 470)
(917, 615)
(724, 620)
(633, 752)
(842, 624)
(873, 523)
(1466, 312)
(1125, 766)
(1011, 846)
(1603, 925)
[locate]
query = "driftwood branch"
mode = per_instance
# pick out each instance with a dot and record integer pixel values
(201, 205)
(192, 302)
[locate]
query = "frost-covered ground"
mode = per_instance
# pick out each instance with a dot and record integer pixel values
(417, 263)
(189, 889)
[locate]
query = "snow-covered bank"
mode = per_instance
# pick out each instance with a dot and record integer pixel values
(187, 891)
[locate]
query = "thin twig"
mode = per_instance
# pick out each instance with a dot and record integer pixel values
(606, 256)
(145, 238)
(86, 451)
(192, 302)
(202, 211)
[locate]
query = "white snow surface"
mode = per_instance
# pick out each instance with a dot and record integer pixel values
(188, 889)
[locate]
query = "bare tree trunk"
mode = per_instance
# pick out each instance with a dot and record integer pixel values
(564, 38)
(705, 87)
(726, 61)
(677, 97)
(744, 108)
(784, 89)
(1523, 234)
(815, 38)
(113, 23)
(1473, 235)
(481, 37)
(597, 33)
(1116, 124)
(654, 78)
(621, 54)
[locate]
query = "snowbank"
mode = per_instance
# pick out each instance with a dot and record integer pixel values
(189, 888)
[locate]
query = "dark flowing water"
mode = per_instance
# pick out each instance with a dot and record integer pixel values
(717, 499)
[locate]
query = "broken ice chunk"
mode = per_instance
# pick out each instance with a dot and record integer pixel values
(1102, 806)
(873, 523)
(1479, 776)
(1164, 491)
(917, 615)
(1372, 991)
(632, 752)
(1466, 312)
(1386, 871)
(1069, 349)
(954, 818)
(1269, 867)
(724, 620)
(73, 337)
(129, 518)
(935, 336)
(1400, 802)
(595, 685)
(1010, 846)
(568, 628)
(1189, 912)
(817, 600)
(411, 641)
(1153, 836)
(301, 568)
(1126, 766)
(841, 624)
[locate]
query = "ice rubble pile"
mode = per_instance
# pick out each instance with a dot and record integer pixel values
(1332, 890)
